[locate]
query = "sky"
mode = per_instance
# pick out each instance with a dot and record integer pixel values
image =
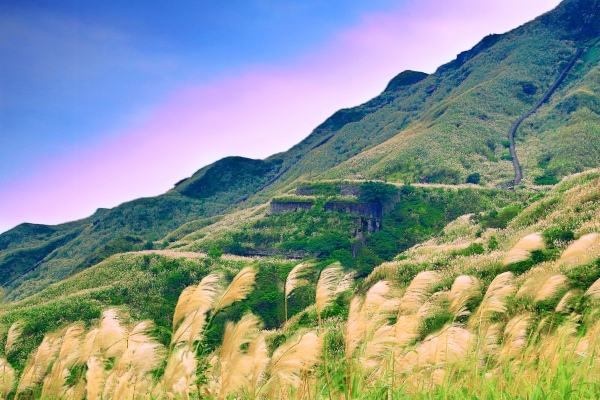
(102, 102)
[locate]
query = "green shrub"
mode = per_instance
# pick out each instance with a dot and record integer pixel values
(472, 249)
(548, 178)
(474, 178)
(555, 235)
(498, 219)
(434, 323)
(345, 258)
(583, 276)
(215, 252)
(493, 243)
(377, 192)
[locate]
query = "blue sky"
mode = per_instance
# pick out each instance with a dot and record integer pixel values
(73, 70)
(105, 101)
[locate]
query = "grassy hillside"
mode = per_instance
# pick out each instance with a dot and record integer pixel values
(375, 259)
(411, 214)
(476, 103)
(475, 309)
(447, 127)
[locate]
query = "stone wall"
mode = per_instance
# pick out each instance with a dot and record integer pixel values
(349, 190)
(286, 206)
(296, 255)
(374, 210)
(305, 191)
(371, 213)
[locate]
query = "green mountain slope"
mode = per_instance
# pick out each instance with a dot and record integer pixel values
(438, 128)
(146, 284)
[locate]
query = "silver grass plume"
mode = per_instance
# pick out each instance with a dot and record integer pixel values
(70, 350)
(490, 340)
(406, 329)
(581, 251)
(235, 365)
(258, 354)
(129, 373)
(327, 285)
(36, 367)
(565, 305)
(94, 378)
(533, 284)
(379, 335)
(295, 279)
(450, 344)
(495, 297)
(378, 345)
(7, 378)
(463, 290)
(191, 329)
(14, 333)
(368, 323)
(89, 347)
(417, 292)
(194, 298)
(192, 306)
(522, 250)
(54, 383)
(515, 336)
(407, 326)
(296, 356)
(180, 373)
(182, 302)
(239, 288)
(111, 338)
(69, 353)
(594, 291)
(355, 327)
(551, 287)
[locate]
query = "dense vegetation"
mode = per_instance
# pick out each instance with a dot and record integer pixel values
(413, 214)
(516, 320)
(449, 127)
(437, 285)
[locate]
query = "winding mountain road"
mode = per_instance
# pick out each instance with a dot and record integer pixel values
(513, 131)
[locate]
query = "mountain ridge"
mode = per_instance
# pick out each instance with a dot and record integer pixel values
(437, 128)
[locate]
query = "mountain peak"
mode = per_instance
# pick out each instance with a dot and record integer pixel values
(579, 18)
(405, 78)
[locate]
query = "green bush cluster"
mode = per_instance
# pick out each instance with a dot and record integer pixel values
(498, 219)
(557, 237)
(472, 249)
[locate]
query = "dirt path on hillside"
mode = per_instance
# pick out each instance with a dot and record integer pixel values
(513, 131)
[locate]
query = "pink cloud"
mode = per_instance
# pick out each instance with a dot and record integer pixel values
(264, 110)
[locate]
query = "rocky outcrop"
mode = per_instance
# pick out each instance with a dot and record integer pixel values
(350, 191)
(374, 210)
(260, 252)
(287, 206)
(305, 191)
(371, 213)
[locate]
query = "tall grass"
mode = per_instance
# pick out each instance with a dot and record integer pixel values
(429, 340)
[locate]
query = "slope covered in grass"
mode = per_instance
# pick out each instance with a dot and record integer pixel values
(410, 215)
(501, 304)
(438, 128)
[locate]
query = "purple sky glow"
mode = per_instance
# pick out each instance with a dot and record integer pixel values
(253, 111)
